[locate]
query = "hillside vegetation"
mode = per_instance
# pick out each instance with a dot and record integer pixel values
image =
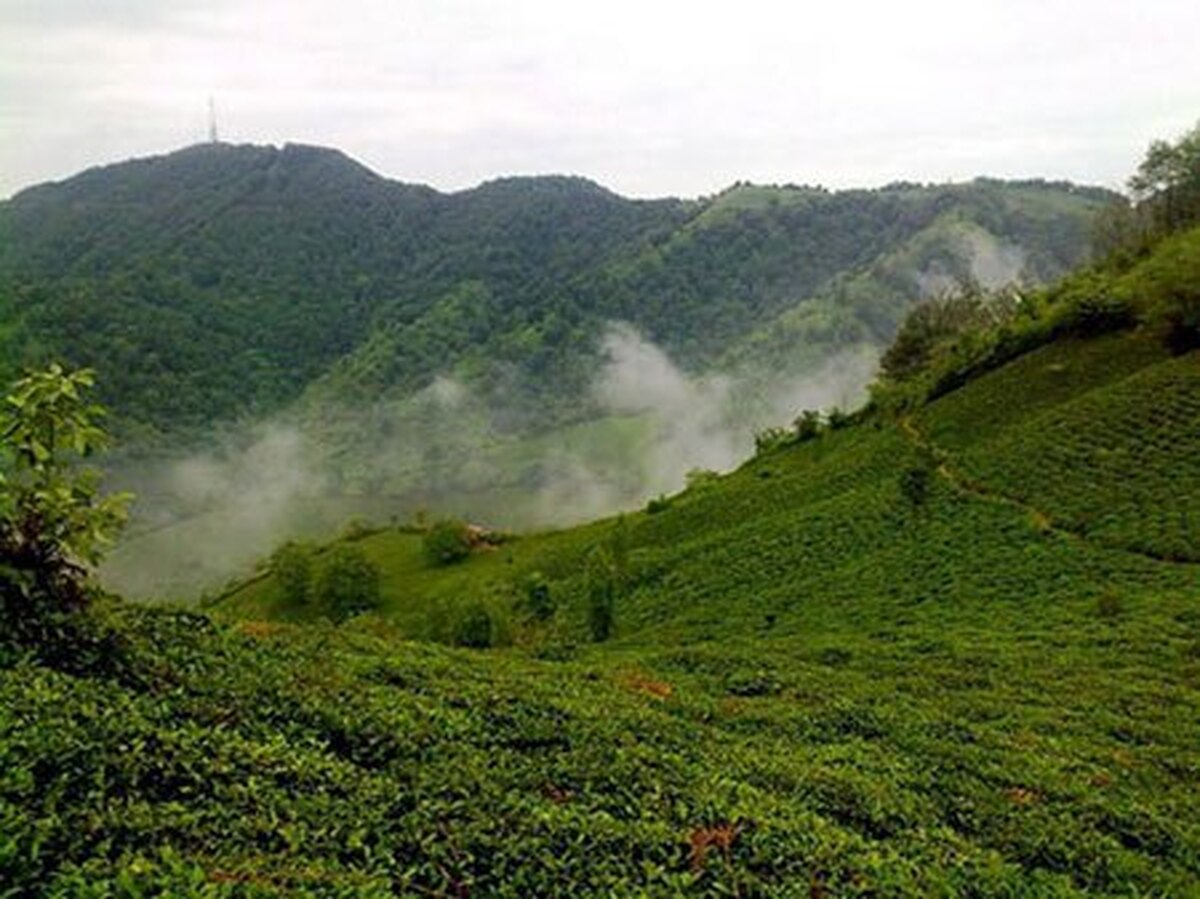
(945, 645)
(396, 348)
(826, 676)
(223, 281)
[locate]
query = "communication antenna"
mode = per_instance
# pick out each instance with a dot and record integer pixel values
(212, 122)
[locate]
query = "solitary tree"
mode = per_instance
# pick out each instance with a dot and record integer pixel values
(348, 583)
(292, 567)
(1167, 183)
(600, 584)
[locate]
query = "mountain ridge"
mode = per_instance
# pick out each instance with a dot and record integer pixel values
(319, 246)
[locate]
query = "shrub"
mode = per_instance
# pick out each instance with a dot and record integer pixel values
(658, 504)
(699, 478)
(473, 627)
(473, 623)
(1182, 325)
(808, 425)
(837, 419)
(1170, 281)
(292, 567)
(1097, 314)
(356, 529)
(53, 521)
(600, 584)
(536, 596)
(348, 584)
(770, 439)
(446, 542)
(938, 322)
(914, 483)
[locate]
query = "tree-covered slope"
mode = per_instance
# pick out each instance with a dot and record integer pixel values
(221, 280)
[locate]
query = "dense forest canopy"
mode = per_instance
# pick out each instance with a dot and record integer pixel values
(224, 281)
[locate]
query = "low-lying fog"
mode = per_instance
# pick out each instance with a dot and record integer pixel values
(206, 518)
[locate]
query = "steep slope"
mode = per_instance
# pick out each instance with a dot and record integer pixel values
(829, 523)
(818, 684)
(224, 279)
(221, 281)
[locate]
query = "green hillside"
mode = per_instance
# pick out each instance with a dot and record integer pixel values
(225, 281)
(828, 676)
(947, 644)
(447, 350)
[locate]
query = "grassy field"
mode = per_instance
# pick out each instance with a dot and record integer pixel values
(818, 685)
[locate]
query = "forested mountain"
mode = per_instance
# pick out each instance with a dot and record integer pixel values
(224, 281)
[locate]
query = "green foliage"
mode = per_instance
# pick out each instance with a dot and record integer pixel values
(807, 425)
(476, 622)
(933, 324)
(1157, 289)
(1167, 182)
(836, 419)
(1095, 314)
(292, 567)
(348, 582)
(914, 483)
(807, 691)
(699, 478)
(447, 541)
(473, 626)
(601, 585)
(237, 280)
(1101, 436)
(1148, 274)
(657, 504)
(768, 440)
(537, 596)
(356, 529)
(1165, 288)
(54, 522)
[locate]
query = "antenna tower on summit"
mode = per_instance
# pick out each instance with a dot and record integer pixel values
(212, 122)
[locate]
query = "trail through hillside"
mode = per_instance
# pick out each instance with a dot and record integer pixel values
(1039, 519)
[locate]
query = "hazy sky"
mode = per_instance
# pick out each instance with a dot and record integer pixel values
(647, 97)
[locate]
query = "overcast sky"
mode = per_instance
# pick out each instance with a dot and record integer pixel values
(649, 98)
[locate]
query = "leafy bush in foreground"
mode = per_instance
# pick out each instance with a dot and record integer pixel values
(53, 520)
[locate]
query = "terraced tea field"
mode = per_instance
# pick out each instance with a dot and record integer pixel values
(820, 683)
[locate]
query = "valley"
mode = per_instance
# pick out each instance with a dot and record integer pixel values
(483, 353)
(545, 579)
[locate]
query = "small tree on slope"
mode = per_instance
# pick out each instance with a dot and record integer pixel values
(54, 523)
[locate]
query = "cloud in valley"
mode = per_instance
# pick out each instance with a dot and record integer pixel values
(213, 514)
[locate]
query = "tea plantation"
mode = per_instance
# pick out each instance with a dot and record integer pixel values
(820, 683)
